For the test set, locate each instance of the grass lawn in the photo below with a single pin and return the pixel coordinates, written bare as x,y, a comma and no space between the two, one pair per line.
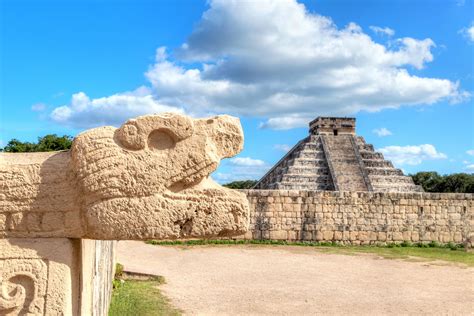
428,252
140,298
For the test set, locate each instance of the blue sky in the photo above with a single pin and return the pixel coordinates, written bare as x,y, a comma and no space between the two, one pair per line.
404,69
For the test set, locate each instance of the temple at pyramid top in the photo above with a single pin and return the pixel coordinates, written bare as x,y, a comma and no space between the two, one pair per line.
332,126
332,157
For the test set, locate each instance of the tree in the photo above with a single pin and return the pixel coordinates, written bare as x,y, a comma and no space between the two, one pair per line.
50,142
54,143
246,184
456,183
429,180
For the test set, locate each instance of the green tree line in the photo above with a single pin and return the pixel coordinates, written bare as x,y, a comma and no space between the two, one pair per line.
51,142
432,181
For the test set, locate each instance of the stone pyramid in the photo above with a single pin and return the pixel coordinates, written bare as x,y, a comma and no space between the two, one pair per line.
334,158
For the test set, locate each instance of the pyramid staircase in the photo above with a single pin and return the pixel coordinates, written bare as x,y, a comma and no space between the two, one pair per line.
329,160
304,167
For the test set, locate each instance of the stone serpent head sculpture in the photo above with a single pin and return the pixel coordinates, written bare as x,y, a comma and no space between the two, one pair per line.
147,179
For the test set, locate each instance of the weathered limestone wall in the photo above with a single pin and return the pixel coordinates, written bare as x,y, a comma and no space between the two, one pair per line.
360,217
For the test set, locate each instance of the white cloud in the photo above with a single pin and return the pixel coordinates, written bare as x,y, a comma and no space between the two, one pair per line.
276,60
470,167
247,162
38,107
381,132
470,152
241,168
112,110
468,32
382,30
287,122
411,155
282,147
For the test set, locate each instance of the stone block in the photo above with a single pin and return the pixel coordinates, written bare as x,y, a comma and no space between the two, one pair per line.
458,237
53,221
328,235
292,235
318,235
353,235
382,236
363,236
17,222
308,235
278,235
397,236
34,221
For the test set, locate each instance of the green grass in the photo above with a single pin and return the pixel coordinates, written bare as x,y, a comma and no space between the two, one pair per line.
405,250
139,298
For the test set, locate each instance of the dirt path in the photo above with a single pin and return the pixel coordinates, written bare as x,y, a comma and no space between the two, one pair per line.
247,280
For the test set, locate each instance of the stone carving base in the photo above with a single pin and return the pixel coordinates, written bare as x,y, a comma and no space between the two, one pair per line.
55,276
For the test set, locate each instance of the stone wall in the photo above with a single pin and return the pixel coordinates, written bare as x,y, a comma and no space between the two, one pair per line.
360,217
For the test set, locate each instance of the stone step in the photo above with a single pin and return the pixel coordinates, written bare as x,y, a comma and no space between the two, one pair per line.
311,146
306,170
371,155
301,186
384,171
345,165
307,162
316,155
389,187
366,147
391,179
377,163
300,178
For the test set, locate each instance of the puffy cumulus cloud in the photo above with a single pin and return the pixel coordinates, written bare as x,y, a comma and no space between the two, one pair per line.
382,30
470,152
411,155
112,110
277,61
247,162
381,132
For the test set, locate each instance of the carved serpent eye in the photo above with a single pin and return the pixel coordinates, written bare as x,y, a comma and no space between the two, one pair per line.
161,139
129,136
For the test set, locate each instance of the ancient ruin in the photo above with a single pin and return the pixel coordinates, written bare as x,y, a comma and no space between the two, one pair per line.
148,179
60,212
334,158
